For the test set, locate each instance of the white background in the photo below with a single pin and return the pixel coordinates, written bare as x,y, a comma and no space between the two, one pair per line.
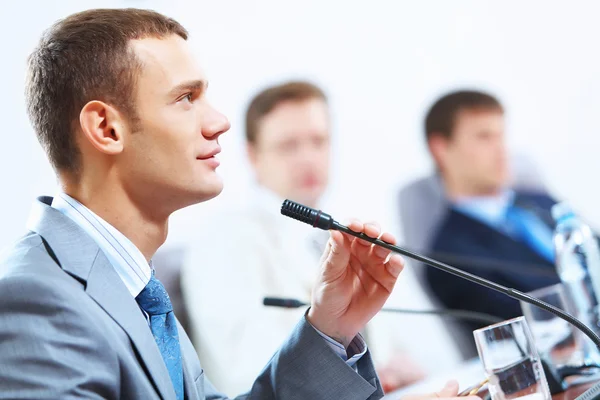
382,63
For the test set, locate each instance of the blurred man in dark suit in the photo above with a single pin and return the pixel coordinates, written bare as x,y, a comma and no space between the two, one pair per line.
489,228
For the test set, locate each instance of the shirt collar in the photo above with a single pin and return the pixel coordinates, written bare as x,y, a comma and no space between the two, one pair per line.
489,209
128,261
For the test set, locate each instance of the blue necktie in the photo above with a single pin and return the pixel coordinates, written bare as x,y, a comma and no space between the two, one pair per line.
526,226
155,301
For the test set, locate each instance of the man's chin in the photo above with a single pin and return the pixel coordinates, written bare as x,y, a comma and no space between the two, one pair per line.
201,195
211,193
310,200
493,187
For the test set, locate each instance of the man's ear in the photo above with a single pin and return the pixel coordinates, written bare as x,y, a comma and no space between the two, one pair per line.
103,126
438,147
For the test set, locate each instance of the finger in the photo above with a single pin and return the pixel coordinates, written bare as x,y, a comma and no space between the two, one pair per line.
374,286
388,238
386,274
395,265
450,390
355,225
361,248
326,252
379,252
365,280
372,229
338,256
382,266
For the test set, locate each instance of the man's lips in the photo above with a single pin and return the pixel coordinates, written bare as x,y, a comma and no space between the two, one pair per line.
210,154
213,162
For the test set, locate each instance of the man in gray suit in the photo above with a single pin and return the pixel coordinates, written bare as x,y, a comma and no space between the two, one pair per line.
118,103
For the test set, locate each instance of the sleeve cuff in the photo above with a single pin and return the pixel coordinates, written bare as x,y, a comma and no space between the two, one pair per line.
356,349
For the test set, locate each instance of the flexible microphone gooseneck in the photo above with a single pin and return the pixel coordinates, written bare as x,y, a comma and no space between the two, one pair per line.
321,220
458,314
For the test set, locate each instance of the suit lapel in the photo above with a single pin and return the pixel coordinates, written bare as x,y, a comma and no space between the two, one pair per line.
107,289
191,365
188,381
79,255
529,203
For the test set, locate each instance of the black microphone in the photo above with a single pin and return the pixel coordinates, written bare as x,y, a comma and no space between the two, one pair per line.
459,314
321,220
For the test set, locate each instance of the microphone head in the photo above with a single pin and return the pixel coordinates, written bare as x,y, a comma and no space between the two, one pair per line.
281,302
316,218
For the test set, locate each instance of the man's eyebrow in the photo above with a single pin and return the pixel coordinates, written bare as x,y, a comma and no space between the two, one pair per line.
194,85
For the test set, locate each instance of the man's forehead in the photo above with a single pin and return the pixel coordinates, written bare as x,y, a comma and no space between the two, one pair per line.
296,119
167,61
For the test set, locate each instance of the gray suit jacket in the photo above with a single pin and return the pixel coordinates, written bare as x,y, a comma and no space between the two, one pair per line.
69,328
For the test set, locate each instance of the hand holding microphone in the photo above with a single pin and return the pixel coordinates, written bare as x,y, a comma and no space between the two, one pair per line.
355,280
321,220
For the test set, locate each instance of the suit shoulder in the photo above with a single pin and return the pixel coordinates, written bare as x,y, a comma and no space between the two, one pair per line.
26,255
44,298
36,296
28,272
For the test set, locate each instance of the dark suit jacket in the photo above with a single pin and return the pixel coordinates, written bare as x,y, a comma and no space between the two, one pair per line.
474,246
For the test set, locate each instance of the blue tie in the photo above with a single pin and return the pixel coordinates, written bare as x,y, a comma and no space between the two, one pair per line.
155,301
526,226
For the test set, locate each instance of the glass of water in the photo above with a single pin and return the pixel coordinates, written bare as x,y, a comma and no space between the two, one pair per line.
554,337
511,361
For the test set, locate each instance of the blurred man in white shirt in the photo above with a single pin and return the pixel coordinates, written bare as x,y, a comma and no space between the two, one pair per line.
254,252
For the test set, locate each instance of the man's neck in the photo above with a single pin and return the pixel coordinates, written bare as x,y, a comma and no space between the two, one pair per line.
457,191
146,231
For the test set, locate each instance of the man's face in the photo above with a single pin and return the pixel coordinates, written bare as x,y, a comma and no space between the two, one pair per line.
475,155
291,153
169,159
